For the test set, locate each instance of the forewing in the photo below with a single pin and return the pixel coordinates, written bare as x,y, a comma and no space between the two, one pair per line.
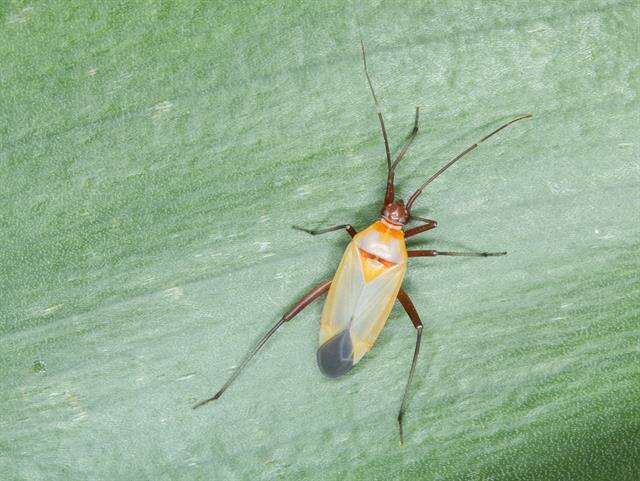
355,312
342,300
374,305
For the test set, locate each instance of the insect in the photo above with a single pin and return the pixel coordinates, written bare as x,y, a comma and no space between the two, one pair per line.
369,278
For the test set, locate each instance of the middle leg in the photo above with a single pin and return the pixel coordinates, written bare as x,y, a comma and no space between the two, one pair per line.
428,225
434,253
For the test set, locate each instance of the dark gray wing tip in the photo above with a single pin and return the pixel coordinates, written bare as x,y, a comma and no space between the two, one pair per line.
335,357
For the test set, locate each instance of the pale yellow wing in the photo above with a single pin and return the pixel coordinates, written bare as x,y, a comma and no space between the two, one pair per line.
374,306
357,307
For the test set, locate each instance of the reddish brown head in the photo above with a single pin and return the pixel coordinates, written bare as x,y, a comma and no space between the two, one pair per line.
395,213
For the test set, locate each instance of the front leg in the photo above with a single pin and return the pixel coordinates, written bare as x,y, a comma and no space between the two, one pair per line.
348,227
428,225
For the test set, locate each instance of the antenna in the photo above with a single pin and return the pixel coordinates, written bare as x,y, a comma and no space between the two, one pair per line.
417,193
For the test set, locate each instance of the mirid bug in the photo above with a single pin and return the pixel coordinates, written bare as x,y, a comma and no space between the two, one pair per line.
369,277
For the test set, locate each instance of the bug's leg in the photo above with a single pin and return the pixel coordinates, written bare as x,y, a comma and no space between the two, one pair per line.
311,296
428,225
404,299
349,228
432,253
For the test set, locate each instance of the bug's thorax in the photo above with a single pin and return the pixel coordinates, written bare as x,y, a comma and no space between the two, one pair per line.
381,247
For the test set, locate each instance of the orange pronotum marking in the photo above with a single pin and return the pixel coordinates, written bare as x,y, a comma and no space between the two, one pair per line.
383,229
372,265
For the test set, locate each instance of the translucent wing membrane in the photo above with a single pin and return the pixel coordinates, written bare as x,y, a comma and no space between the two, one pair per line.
360,299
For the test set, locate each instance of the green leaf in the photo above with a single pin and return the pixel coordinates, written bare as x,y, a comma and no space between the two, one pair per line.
153,158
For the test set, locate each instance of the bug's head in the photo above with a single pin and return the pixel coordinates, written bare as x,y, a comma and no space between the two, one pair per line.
395,213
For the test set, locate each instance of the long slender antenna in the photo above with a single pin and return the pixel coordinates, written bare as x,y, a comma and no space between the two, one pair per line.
378,110
390,193
417,193
410,137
